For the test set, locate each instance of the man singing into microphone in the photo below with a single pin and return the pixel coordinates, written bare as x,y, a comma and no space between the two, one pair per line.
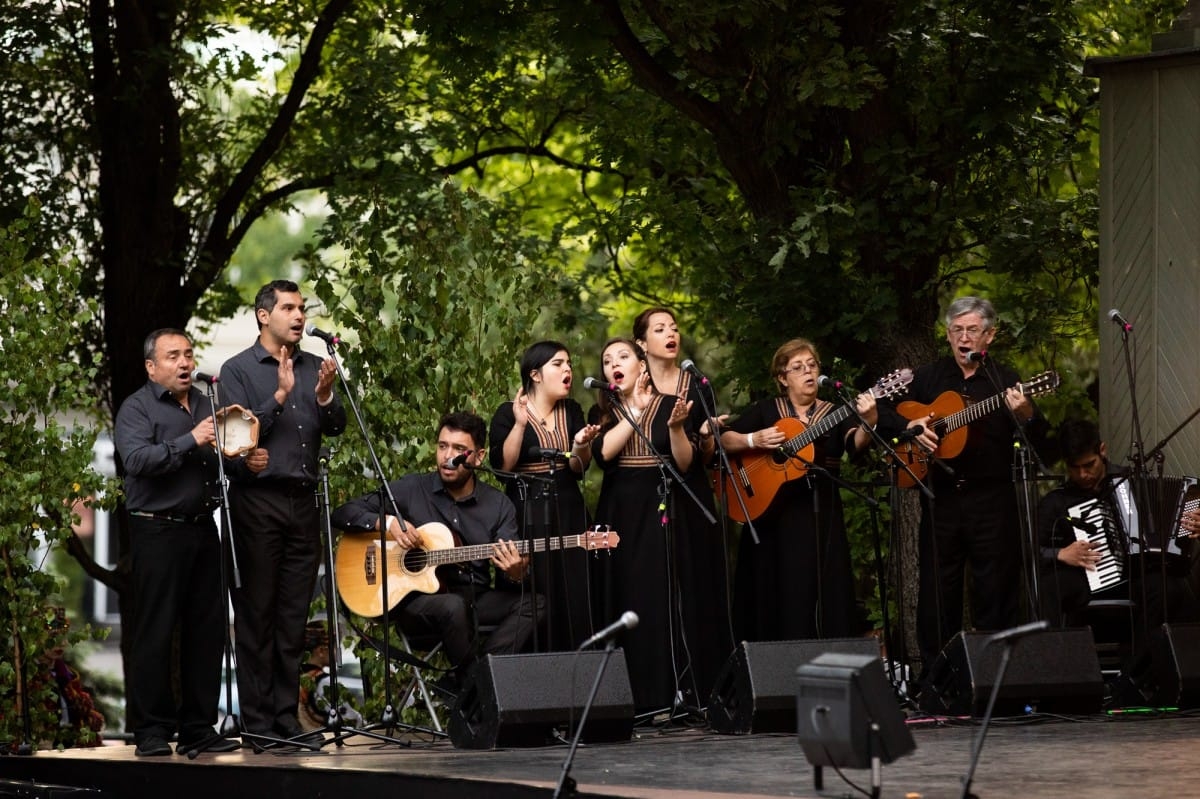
476,514
276,524
165,437
973,520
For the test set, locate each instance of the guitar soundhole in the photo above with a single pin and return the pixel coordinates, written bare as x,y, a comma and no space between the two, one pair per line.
779,456
415,560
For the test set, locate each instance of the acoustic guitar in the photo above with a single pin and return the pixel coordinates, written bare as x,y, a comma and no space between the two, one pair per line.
357,564
758,474
948,416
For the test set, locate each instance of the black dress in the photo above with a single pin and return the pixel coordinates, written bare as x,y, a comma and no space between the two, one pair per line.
796,582
650,573
552,505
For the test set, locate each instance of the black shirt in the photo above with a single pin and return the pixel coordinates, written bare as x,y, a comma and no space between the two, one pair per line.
165,472
290,432
482,517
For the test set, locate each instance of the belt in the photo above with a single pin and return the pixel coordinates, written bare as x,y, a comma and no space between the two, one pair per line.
288,487
178,518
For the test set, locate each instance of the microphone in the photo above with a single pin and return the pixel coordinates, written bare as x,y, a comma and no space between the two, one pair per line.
548,454
1020,631
1115,316
331,339
909,434
977,356
826,381
593,383
628,621
688,366
201,377
459,460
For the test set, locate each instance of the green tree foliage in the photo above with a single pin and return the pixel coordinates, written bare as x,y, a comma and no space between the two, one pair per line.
47,465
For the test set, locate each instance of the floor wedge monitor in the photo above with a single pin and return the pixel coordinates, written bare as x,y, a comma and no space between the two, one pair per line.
756,690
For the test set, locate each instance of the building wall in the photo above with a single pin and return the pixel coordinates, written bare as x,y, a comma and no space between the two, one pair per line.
1150,255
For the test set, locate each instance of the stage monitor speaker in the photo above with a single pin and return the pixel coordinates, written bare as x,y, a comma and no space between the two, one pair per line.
1175,652
522,700
756,689
1054,671
846,712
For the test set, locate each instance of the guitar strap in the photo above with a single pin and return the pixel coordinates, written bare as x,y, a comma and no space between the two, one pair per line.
816,411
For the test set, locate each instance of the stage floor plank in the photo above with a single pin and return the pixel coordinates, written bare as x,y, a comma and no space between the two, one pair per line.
1040,758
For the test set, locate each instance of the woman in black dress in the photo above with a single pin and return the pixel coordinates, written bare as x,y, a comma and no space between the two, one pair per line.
702,568
641,572
796,582
543,419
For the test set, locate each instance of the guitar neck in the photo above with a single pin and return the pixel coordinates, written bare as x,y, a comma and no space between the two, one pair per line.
971,413
439,557
811,434
824,425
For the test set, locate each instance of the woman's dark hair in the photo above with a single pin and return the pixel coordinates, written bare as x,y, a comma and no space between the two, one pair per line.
537,356
641,325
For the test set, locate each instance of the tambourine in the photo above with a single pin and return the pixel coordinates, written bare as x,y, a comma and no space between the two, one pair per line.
239,430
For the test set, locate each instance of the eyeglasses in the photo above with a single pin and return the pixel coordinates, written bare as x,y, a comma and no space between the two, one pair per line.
972,331
811,366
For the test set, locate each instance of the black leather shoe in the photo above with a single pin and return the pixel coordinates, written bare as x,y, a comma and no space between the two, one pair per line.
152,746
211,743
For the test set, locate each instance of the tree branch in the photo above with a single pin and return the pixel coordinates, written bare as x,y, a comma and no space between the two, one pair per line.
217,240
653,77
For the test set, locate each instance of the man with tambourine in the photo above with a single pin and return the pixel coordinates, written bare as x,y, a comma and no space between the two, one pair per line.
166,439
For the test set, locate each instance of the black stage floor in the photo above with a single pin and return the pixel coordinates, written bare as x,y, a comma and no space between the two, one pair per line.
1092,757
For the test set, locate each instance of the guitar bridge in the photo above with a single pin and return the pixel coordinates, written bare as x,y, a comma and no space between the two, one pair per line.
371,564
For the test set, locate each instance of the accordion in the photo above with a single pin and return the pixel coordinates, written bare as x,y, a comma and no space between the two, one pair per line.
1095,522
1151,517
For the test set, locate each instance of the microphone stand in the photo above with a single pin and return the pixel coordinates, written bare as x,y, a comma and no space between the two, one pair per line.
229,724
566,782
724,470
880,569
1024,456
550,494
1156,453
1140,479
1009,638
389,716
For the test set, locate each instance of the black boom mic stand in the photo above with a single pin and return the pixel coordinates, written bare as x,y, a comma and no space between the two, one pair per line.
230,724
389,717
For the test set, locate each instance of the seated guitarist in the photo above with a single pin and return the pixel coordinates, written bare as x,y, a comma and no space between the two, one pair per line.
477,514
973,520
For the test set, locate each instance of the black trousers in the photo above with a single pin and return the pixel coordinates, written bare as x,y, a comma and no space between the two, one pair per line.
276,535
176,576
455,615
976,527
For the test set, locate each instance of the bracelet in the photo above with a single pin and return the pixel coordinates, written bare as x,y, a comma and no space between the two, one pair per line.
750,441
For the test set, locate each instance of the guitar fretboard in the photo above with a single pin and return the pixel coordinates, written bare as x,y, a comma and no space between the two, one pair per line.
416,559
888,385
